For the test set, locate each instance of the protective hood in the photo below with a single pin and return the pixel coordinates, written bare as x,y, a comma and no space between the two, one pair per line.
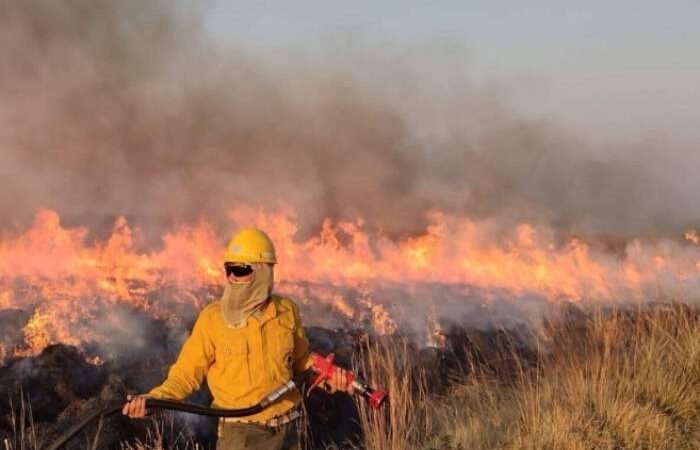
241,300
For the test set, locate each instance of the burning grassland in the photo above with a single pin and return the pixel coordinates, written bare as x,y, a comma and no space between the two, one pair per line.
606,380
58,285
456,248
86,320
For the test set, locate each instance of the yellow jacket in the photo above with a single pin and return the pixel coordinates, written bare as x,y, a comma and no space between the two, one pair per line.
242,365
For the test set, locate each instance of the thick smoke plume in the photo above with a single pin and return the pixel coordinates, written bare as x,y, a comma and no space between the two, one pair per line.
130,108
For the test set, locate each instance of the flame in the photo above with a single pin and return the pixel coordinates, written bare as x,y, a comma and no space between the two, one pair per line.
436,337
36,332
65,281
94,360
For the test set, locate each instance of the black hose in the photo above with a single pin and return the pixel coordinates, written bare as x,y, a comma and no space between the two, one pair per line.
153,403
298,382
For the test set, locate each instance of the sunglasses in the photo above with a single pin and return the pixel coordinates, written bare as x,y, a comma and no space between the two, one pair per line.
238,270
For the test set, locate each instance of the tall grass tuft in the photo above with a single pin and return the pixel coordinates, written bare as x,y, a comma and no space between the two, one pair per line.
621,380
24,436
613,380
405,418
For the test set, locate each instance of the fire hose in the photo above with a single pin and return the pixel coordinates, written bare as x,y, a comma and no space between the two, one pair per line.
322,366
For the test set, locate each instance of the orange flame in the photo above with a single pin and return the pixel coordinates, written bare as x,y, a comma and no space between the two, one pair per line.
54,273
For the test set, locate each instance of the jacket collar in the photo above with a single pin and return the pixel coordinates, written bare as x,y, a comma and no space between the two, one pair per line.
272,309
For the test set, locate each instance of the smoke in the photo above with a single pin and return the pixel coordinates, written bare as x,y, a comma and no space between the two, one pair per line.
129,108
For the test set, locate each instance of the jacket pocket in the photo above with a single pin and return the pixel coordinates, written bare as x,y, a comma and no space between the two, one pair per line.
233,360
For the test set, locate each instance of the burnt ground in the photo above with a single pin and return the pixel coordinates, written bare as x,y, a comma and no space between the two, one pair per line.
61,385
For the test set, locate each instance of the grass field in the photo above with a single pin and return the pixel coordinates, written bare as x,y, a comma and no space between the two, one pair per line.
609,380
613,380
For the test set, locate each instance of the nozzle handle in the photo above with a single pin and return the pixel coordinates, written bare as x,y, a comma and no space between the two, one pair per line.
324,368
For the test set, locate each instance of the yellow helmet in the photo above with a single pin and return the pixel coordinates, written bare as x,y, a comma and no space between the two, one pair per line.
250,245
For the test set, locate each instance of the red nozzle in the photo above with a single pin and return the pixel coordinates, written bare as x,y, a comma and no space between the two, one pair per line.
376,399
324,368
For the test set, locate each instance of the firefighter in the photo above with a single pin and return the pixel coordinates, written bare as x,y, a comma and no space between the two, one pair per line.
246,344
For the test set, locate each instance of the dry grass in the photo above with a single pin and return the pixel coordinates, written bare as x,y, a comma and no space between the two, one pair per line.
407,417
163,425
23,429
612,381
619,381
24,433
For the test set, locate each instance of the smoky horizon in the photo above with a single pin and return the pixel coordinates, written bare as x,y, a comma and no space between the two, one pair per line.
128,109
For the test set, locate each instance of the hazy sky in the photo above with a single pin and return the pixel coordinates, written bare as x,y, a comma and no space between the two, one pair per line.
581,118
615,69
